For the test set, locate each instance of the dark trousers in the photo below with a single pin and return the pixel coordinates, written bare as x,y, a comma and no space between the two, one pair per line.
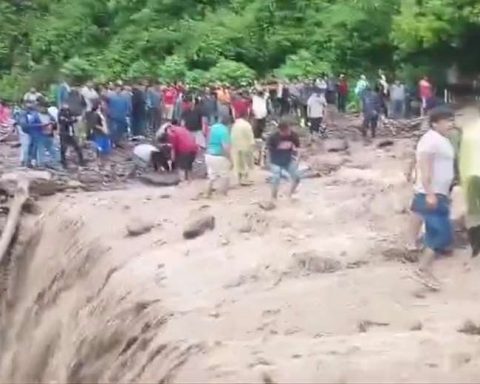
315,124
154,118
69,141
342,103
138,124
370,122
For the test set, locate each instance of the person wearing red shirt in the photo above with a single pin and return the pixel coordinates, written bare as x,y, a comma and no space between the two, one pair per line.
342,88
426,93
184,147
169,99
241,106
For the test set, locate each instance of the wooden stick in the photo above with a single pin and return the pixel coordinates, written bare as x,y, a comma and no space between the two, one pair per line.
21,196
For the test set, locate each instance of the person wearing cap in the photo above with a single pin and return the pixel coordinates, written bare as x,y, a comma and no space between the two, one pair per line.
435,162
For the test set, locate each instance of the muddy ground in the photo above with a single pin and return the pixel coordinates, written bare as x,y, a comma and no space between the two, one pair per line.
106,289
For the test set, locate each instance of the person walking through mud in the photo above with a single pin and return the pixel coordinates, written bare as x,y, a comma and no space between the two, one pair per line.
435,157
283,147
217,156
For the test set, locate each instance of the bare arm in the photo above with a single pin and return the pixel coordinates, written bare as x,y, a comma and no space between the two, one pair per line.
425,163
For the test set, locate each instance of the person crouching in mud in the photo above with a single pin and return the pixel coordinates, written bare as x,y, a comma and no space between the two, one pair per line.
184,147
435,157
283,147
147,156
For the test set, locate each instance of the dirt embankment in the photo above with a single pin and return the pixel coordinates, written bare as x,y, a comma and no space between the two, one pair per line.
305,293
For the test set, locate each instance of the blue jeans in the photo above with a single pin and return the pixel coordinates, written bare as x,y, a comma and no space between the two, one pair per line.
118,129
291,169
46,144
25,140
398,109
438,227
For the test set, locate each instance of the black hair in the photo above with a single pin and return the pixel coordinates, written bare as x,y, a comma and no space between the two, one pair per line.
440,113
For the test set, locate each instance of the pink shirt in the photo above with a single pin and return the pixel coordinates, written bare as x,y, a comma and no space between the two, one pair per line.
5,115
425,89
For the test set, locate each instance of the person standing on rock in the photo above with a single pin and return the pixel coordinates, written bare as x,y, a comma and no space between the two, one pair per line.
217,156
283,146
66,129
435,157
316,108
371,107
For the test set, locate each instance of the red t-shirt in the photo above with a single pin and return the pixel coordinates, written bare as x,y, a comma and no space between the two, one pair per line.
169,96
343,87
425,89
241,107
182,140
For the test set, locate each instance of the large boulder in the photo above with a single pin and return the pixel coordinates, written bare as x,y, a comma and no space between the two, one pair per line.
160,179
198,225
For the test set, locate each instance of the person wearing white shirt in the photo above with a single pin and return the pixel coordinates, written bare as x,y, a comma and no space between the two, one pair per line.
259,111
435,159
32,96
90,95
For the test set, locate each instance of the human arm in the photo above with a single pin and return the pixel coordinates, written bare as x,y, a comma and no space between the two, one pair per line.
425,163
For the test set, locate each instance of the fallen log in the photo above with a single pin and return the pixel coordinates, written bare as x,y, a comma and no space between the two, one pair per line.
13,219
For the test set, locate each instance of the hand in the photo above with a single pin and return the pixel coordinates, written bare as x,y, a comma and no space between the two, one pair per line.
431,201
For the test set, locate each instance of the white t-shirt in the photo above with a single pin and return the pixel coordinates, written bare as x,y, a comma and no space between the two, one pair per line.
441,148
144,151
259,106
89,95
53,111
316,106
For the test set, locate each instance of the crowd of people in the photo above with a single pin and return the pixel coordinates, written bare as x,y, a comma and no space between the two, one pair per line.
174,126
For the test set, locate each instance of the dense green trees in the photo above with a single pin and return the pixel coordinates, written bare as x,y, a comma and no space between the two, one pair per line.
229,40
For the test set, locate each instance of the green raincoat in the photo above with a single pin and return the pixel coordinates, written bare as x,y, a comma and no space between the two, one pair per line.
469,166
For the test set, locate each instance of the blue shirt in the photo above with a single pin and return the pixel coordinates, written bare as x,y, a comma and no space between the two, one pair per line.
219,137
118,106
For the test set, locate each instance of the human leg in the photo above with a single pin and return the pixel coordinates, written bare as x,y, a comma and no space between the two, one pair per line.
275,180
292,170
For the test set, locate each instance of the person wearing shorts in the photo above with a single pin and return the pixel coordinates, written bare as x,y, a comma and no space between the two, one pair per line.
217,156
435,158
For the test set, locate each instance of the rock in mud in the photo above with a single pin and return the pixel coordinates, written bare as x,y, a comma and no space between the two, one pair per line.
138,227
418,326
160,179
313,262
267,205
336,145
198,226
385,143
470,328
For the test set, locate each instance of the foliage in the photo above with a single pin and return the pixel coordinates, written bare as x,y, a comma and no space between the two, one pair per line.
230,40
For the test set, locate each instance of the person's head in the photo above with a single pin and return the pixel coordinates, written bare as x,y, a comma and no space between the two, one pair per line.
224,119
441,120
89,84
342,77
363,77
284,127
33,90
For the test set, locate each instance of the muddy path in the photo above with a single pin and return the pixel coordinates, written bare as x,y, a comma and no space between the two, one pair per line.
104,287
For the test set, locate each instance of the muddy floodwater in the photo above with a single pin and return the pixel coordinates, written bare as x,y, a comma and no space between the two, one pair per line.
313,291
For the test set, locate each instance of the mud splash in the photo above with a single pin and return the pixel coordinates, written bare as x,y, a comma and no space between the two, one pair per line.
61,322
